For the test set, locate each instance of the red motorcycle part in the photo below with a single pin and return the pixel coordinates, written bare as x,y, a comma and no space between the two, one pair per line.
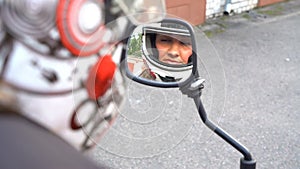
100,77
78,39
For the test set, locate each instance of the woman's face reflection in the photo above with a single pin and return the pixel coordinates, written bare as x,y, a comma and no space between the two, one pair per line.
173,49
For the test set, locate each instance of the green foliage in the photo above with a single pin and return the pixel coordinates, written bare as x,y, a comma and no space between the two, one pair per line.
135,46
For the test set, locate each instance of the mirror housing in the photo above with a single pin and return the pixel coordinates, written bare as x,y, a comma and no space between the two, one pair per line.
152,61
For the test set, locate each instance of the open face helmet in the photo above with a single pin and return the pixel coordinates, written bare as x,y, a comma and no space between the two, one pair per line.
166,71
61,58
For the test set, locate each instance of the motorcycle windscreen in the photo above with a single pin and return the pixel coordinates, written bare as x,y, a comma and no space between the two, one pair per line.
143,11
161,54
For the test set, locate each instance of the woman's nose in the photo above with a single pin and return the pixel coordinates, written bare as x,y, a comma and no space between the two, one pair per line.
174,49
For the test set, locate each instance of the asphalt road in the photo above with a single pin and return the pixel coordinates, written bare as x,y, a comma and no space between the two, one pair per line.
252,91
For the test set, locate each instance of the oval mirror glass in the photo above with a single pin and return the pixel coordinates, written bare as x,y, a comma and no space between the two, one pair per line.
161,54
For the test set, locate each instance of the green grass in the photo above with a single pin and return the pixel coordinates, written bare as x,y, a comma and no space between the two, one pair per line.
274,12
208,33
211,33
246,16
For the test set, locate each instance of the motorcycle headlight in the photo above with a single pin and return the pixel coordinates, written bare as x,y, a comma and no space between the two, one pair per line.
142,11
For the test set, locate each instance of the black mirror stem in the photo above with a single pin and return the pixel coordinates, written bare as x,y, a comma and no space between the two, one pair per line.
194,91
247,162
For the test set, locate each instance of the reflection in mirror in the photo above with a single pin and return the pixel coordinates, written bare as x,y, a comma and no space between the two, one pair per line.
160,52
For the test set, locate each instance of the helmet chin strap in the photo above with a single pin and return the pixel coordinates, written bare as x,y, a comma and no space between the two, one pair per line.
168,78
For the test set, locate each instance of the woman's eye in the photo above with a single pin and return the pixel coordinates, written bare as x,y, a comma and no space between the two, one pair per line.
165,40
186,43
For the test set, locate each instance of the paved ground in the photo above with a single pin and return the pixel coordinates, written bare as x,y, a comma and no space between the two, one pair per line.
251,63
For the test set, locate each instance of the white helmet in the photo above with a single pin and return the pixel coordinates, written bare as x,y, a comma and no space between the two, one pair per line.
165,71
60,60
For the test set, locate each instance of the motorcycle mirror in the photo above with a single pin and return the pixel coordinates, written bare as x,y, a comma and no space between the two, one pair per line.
162,54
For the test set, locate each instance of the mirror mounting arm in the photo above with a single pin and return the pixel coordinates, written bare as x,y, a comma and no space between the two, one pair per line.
247,162
194,90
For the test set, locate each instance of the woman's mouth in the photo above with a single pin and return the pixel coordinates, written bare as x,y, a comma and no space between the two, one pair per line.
172,62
